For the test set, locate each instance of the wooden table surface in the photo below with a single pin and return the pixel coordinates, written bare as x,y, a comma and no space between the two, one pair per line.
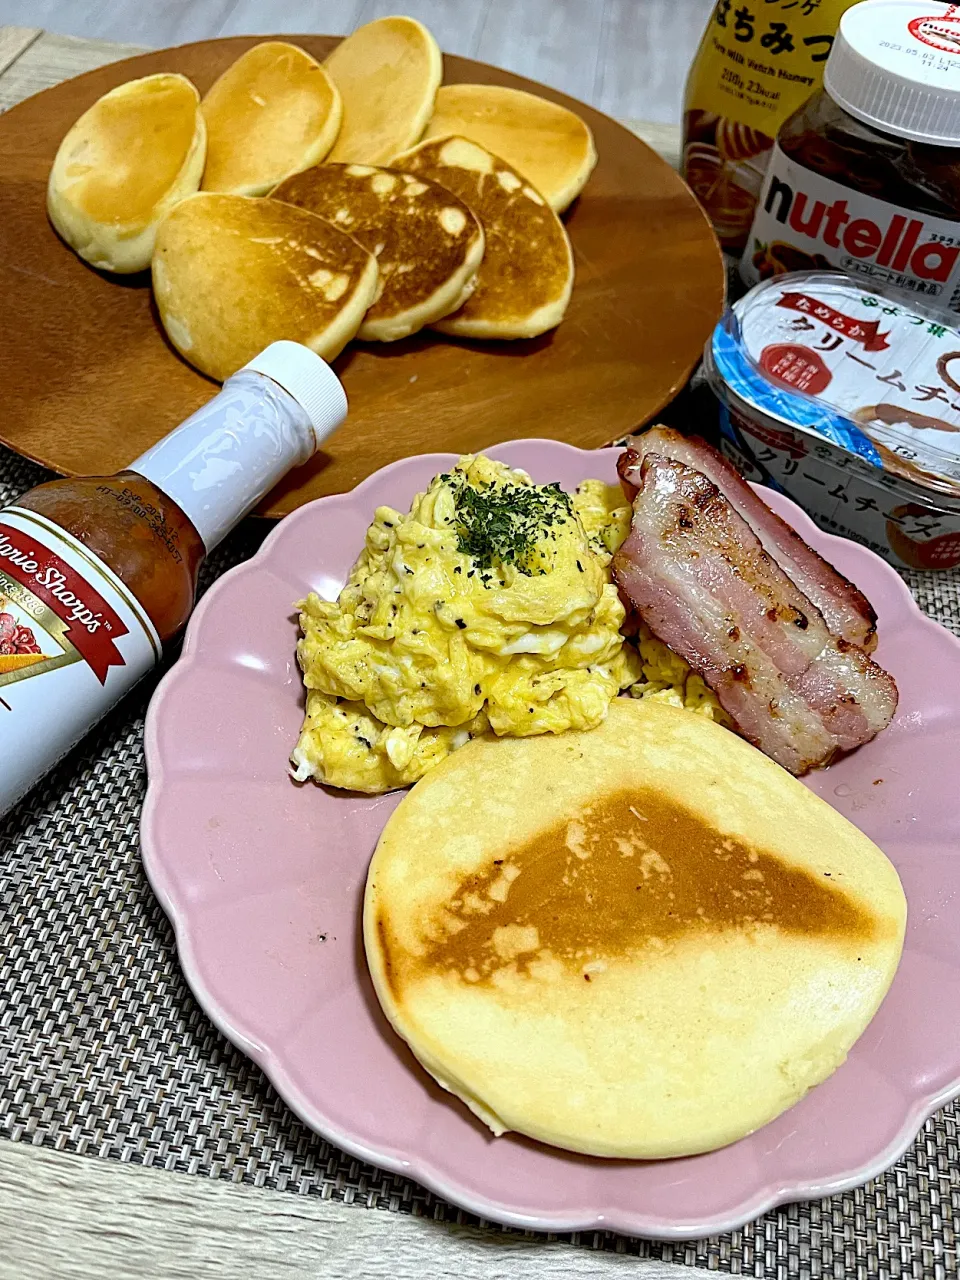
64,1216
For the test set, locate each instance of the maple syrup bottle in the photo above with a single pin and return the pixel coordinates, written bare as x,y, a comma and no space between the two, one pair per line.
98,573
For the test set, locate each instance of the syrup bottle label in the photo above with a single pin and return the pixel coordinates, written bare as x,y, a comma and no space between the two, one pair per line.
73,641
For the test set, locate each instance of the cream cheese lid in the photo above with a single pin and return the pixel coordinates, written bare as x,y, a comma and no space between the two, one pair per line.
895,64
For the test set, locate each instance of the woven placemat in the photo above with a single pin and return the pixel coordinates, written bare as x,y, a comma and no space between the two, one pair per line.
104,1052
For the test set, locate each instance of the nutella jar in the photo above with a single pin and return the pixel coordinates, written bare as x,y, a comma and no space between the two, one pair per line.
865,177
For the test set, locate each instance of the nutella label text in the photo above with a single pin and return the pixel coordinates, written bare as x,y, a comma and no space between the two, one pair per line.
805,221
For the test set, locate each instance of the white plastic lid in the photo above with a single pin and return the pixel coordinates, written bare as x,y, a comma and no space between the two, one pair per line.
895,64
309,379
218,464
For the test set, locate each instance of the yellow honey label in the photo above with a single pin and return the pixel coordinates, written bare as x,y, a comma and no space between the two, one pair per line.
757,63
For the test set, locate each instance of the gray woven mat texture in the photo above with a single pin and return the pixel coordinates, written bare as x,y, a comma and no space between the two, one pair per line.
104,1051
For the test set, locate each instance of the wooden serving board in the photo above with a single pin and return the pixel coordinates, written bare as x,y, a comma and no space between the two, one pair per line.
89,380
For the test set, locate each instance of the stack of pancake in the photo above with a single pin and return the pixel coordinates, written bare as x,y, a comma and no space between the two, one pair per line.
323,202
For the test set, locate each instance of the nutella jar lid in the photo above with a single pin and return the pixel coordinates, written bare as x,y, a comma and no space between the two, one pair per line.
895,64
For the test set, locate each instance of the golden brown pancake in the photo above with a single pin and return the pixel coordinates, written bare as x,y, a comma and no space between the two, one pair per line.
427,243
524,282
231,274
272,113
643,941
388,73
550,145
124,164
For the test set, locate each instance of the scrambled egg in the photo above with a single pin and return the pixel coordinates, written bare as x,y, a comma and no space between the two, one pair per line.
667,678
488,608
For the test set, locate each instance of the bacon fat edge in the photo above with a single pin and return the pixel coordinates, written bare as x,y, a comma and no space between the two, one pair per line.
846,610
698,575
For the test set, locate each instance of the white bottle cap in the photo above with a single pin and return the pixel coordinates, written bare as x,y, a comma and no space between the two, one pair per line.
895,64
269,417
309,379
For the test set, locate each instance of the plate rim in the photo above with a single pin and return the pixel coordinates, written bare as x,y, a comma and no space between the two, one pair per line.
423,1171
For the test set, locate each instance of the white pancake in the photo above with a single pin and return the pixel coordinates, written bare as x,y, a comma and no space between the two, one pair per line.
123,166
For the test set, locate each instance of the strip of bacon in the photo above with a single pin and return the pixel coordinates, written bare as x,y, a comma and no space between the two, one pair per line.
847,611
702,582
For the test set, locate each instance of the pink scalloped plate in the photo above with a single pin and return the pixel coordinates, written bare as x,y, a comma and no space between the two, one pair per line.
263,881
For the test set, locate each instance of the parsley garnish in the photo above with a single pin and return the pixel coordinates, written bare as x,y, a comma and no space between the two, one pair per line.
501,525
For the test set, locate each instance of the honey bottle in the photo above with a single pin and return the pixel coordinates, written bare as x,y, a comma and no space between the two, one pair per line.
757,62
97,574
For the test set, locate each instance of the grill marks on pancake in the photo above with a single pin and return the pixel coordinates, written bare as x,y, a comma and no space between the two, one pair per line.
547,143
634,872
421,234
528,265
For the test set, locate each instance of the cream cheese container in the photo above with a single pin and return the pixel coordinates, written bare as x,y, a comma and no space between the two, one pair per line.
847,400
